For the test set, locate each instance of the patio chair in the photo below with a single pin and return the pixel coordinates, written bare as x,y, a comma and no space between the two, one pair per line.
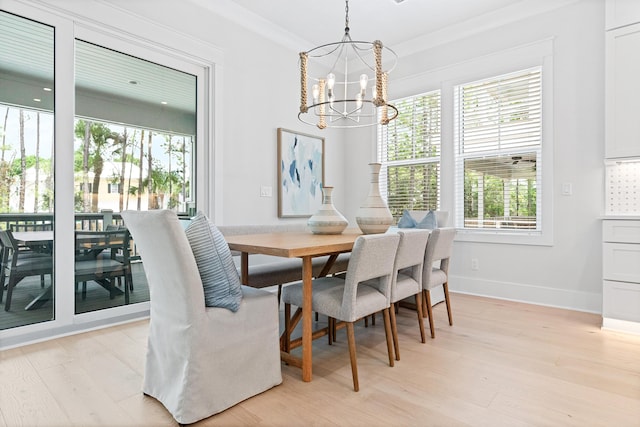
91,266
17,265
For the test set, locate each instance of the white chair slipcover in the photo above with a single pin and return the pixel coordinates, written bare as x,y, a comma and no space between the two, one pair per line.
200,360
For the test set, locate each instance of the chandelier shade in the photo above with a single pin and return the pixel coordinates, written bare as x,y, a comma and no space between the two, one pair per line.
344,84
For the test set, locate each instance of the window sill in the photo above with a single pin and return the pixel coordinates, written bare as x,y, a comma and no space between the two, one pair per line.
507,237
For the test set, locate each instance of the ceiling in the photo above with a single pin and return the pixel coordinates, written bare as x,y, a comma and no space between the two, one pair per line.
26,47
403,25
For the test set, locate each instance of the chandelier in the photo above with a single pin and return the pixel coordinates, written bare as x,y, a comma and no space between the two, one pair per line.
353,93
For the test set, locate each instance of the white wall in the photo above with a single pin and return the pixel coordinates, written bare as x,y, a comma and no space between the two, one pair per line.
260,88
568,272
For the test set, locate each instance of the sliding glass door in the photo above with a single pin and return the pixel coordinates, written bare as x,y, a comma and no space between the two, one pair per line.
124,126
26,171
135,130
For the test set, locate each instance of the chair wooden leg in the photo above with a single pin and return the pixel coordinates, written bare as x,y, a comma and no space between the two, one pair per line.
330,321
373,319
420,316
394,331
388,334
427,303
351,338
287,331
448,301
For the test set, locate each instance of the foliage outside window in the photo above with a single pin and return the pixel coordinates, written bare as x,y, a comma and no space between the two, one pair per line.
119,168
409,150
26,169
499,130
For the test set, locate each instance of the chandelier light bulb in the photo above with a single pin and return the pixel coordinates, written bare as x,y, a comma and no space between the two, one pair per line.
331,80
359,101
315,90
364,79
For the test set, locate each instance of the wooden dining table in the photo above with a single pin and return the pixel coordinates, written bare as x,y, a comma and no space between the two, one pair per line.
306,246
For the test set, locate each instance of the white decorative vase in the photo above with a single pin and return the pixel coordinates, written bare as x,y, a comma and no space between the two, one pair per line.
327,220
374,216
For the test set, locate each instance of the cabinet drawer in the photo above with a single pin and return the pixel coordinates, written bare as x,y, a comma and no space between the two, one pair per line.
621,261
621,301
621,231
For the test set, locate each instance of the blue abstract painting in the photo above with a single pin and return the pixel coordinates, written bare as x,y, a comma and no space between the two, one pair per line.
301,173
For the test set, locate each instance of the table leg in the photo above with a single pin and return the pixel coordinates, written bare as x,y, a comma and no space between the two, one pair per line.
244,268
307,332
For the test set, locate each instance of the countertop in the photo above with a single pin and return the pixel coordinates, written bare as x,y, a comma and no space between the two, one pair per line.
628,217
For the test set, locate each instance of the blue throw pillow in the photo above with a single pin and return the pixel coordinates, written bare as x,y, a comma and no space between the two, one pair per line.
406,221
430,221
218,273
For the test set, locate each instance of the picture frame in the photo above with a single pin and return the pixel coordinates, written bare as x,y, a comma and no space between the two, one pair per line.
300,173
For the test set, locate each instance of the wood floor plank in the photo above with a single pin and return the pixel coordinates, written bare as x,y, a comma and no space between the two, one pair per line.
502,364
24,398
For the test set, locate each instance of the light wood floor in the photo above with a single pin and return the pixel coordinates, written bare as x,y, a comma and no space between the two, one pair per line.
501,364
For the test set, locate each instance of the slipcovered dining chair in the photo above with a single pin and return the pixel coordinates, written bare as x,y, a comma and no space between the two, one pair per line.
407,278
439,249
200,360
348,299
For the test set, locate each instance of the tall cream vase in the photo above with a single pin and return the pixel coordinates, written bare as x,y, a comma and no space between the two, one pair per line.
374,216
327,220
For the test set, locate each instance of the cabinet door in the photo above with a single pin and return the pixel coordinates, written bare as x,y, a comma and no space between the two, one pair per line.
621,300
622,119
621,12
621,261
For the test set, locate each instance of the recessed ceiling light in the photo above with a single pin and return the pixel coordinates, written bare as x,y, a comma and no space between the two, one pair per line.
46,89
163,102
37,99
398,1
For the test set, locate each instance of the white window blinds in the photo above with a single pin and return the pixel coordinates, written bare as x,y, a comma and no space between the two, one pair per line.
409,150
499,136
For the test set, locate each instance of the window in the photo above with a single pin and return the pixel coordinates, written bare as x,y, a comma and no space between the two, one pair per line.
499,152
113,188
409,150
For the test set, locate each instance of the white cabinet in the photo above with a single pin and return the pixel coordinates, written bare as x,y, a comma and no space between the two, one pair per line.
622,89
621,12
621,274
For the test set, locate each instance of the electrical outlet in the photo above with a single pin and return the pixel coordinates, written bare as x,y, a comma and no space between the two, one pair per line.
475,265
266,191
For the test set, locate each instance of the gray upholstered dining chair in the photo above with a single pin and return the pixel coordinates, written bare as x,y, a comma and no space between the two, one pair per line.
348,299
439,249
407,277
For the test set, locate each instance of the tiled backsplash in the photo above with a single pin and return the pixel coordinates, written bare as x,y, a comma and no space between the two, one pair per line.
623,188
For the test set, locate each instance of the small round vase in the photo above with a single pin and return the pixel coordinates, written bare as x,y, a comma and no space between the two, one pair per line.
327,220
374,216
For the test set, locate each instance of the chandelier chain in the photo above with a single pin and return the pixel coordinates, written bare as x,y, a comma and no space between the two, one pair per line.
346,17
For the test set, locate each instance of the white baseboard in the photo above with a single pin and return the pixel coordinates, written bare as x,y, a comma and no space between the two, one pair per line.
621,326
573,300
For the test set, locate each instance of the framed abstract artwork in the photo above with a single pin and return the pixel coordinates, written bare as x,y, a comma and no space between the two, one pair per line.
300,173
